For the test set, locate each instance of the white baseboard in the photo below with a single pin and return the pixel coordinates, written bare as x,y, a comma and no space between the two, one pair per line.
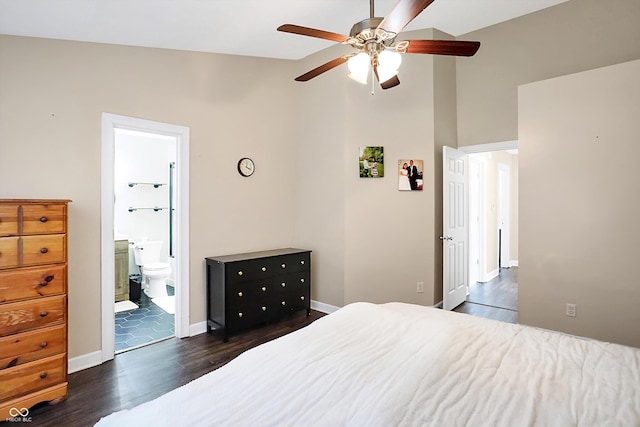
322,307
513,263
438,305
197,328
85,361
490,275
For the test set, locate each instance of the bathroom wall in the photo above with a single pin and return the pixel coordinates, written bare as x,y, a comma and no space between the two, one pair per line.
142,158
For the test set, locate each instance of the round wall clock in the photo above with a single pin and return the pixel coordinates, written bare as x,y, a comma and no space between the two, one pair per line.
246,167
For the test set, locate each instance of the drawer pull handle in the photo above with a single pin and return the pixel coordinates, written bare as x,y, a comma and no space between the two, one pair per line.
302,298
302,262
44,250
44,344
284,265
301,280
43,219
264,308
43,314
239,294
264,289
284,303
284,285
240,273
43,375
46,281
239,314
264,268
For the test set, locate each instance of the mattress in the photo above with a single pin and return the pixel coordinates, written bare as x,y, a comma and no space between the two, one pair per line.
399,364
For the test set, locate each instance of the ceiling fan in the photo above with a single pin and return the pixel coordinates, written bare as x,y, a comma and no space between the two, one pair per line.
373,40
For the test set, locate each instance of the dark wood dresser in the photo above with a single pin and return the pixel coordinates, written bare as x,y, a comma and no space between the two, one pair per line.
33,304
245,290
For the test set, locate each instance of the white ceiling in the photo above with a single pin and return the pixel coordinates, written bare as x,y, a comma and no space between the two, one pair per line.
239,27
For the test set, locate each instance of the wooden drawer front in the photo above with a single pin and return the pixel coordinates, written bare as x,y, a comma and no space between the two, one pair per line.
32,314
9,252
254,292
44,219
32,282
255,269
8,220
23,379
48,249
29,346
292,263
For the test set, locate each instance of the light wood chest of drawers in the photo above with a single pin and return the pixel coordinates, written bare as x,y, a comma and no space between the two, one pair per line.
33,303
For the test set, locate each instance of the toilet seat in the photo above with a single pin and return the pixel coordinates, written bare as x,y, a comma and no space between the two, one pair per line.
155,266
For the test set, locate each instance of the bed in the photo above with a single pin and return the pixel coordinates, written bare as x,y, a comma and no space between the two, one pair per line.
399,364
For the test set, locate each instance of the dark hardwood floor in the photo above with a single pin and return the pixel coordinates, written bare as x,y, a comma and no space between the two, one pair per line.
145,373
496,299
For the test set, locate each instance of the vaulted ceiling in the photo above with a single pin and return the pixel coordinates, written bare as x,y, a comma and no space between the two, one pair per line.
238,27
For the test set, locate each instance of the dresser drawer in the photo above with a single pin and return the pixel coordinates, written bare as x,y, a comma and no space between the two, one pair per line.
9,252
44,219
241,293
291,263
8,219
29,346
32,282
33,376
254,269
47,249
26,315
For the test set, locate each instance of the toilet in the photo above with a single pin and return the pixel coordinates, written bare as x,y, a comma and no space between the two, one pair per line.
154,272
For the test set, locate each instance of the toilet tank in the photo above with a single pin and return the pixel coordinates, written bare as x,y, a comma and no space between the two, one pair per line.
147,252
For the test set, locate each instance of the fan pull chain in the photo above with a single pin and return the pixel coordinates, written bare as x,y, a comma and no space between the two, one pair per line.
373,83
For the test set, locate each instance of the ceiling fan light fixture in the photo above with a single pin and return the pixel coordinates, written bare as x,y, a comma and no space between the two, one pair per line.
359,67
388,64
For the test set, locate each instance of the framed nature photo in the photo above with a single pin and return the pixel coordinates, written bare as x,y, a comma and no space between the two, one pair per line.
410,174
371,162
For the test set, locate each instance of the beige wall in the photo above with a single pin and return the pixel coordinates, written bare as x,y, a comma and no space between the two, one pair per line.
52,94
374,243
574,36
370,241
579,205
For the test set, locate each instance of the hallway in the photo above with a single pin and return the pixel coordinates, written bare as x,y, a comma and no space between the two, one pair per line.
496,299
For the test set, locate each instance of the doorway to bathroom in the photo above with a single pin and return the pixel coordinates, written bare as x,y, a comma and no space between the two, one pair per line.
144,233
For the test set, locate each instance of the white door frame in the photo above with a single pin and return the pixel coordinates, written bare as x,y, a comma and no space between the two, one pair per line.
504,200
110,122
477,226
486,148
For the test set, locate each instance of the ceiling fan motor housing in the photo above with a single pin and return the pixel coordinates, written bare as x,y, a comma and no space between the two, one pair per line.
366,37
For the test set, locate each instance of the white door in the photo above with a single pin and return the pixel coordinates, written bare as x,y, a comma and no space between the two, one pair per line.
455,228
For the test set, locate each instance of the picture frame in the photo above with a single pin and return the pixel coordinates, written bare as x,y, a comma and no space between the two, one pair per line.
371,162
410,175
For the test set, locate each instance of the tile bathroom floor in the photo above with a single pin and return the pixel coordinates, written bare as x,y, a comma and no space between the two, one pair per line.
144,325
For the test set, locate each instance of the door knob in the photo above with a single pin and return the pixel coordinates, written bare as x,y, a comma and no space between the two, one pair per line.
446,238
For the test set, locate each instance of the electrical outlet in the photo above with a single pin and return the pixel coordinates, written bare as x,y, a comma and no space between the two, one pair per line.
420,287
571,310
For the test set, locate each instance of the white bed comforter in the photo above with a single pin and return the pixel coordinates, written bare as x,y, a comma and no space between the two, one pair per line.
399,364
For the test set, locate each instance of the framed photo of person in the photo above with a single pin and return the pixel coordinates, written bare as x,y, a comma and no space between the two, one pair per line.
410,175
371,162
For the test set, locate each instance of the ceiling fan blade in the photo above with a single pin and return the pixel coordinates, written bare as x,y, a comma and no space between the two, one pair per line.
321,69
402,13
392,82
443,47
312,32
